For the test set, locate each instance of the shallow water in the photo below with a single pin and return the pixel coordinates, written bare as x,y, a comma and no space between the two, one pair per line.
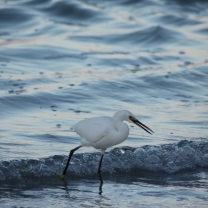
63,61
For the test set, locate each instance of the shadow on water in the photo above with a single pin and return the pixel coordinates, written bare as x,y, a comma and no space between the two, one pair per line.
97,183
66,184
116,190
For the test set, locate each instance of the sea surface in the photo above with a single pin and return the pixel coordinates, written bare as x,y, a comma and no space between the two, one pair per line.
62,61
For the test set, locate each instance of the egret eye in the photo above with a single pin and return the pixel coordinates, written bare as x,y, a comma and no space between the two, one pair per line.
130,117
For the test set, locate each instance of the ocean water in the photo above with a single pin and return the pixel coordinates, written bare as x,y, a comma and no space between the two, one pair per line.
64,60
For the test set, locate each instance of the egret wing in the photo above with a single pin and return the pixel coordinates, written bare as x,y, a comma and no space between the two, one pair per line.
93,129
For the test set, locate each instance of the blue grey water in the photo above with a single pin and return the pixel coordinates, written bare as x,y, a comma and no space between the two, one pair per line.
65,60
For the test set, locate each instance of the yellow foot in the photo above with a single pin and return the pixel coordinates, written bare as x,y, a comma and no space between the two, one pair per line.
61,176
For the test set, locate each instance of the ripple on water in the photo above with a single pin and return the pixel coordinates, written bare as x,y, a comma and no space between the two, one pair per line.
63,61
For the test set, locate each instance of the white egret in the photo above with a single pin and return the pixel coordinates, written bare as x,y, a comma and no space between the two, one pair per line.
103,132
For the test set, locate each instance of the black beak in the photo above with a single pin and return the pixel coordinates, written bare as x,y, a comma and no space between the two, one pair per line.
138,123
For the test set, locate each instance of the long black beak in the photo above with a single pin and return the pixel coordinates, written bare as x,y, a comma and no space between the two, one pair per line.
138,123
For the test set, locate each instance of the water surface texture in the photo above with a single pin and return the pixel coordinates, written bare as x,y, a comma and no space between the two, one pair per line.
62,61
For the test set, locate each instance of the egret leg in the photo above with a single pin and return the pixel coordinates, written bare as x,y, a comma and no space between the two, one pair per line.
100,163
67,164
99,172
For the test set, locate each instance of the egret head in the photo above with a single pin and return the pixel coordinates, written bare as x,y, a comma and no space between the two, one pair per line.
125,115
140,124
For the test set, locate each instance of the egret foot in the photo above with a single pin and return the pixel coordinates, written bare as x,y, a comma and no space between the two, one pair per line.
61,176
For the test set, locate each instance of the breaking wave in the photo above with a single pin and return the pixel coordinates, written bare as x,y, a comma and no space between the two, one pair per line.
169,158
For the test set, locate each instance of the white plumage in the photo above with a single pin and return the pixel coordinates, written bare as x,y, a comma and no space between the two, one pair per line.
103,132
92,130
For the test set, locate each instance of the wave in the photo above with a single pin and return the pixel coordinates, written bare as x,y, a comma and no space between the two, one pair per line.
178,20
73,13
13,17
156,36
169,158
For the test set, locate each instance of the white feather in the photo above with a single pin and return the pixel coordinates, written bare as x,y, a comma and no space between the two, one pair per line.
93,129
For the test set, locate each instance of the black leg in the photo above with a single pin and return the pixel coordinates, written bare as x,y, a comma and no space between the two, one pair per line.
100,163
69,158
67,163
99,172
